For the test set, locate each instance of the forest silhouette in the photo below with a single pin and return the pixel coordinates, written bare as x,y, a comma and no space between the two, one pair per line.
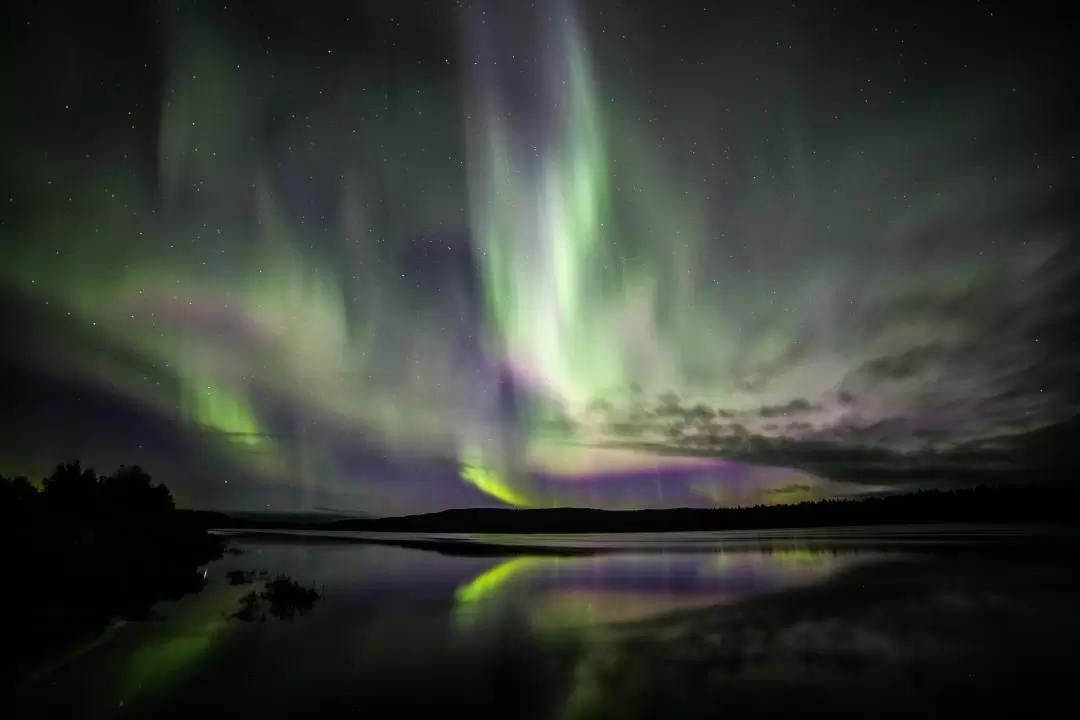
89,549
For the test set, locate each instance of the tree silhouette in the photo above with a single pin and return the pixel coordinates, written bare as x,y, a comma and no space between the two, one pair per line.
71,487
16,491
92,548
130,490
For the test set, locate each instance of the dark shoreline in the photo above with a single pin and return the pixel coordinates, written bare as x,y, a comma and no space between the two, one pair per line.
1013,504
458,548
938,538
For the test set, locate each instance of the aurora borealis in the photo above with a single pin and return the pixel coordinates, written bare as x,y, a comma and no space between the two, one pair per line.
403,256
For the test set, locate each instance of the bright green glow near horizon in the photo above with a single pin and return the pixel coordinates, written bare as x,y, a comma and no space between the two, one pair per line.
494,484
225,412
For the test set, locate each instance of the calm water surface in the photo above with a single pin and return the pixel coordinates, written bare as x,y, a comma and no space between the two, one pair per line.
882,621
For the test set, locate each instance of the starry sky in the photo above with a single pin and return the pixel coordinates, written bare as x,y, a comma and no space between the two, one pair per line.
400,256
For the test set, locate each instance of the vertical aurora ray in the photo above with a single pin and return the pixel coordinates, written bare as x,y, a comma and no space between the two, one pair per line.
540,204
539,199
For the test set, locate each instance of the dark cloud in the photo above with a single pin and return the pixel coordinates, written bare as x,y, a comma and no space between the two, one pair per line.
861,464
908,364
790,488
701,413
930,433
850,453
795,407
886,430
751,385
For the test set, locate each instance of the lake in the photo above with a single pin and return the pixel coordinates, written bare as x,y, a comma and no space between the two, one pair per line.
886,621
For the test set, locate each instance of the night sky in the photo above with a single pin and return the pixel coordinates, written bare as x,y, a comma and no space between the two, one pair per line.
400,256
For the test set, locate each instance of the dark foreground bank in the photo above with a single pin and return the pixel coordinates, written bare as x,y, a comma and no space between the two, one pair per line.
87,550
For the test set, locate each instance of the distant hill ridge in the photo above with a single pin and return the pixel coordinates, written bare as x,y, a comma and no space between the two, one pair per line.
1004,504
